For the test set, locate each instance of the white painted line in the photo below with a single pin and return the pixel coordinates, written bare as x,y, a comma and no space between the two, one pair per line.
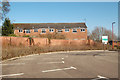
56,62
63,62
13,64
73,67
59,69
11,75
101,77
52,62
62,58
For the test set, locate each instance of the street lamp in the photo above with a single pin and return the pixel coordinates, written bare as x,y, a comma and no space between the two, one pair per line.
112,36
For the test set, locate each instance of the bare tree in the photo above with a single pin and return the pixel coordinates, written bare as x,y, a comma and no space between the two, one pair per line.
98,32
4,9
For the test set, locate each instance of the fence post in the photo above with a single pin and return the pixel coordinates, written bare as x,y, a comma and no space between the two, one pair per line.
69,44
31,41
10,41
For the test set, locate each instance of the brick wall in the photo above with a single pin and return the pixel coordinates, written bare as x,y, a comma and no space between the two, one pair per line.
90,42
40,41
25,41
67,42
75,36
22,41
54,42
32,33
14,41
68,35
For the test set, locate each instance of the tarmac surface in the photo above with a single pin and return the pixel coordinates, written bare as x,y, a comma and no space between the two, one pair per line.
75,64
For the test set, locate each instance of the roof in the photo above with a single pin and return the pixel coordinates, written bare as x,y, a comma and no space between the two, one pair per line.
48,25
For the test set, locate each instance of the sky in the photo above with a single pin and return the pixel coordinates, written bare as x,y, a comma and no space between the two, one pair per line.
100,14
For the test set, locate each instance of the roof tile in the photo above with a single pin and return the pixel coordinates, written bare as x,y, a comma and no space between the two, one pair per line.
49,25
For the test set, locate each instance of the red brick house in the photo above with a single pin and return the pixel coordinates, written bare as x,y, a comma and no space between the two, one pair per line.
74,31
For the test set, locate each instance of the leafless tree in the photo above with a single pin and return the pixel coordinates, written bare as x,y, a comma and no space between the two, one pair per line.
98,32
4,9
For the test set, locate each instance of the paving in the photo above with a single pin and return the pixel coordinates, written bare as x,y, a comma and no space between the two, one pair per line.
75,64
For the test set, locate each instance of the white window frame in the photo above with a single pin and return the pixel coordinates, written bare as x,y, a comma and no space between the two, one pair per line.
82,29
59,30
75,30
27,30
20,30
51,30
67,30
35,30
43,30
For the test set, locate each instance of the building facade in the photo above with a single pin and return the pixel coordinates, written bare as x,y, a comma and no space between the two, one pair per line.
71,31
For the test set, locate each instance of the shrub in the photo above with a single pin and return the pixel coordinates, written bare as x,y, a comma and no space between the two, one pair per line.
53,36
26,36
59,36
12,35
15,51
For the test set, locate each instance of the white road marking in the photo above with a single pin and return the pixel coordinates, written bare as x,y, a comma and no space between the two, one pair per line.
13,64
59,69
57,62
62,58
63,62
101,77
52,62
11,75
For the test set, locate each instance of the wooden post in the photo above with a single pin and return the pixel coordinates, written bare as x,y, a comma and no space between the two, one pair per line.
10,41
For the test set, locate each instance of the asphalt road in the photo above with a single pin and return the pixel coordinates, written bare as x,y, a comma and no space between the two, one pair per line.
76,64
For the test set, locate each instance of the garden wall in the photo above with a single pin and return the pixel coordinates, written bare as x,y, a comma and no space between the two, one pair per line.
25,41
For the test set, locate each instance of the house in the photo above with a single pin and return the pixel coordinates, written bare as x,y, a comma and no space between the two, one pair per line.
71,31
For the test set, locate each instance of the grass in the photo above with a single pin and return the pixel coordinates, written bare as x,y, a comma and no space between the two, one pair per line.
26,36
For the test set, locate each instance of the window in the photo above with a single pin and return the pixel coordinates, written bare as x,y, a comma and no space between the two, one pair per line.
66,30
82,39
43,31
51,30
20,30
59,30
75,39
82,30
27,31
74,30
35,30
